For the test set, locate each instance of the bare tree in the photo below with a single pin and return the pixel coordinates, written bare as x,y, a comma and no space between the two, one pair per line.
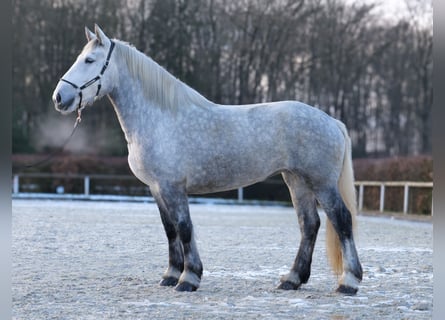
374,76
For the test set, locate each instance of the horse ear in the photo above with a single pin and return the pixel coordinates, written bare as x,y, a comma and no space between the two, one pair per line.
100,35
89,34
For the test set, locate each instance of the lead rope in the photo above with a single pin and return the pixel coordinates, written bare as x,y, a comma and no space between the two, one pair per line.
79,117
54,153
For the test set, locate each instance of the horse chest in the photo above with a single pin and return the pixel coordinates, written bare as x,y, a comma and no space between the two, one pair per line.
141,163
150,164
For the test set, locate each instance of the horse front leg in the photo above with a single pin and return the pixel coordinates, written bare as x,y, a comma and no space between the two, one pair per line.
184,260
175,251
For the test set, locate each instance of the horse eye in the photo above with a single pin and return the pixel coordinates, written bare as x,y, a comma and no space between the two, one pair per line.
89,60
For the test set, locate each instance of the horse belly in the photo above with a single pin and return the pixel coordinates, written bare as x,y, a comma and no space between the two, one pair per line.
233,170
223,184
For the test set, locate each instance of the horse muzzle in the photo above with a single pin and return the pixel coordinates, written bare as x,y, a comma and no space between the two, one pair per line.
64,99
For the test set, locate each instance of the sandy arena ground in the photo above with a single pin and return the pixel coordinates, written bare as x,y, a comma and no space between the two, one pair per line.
103,260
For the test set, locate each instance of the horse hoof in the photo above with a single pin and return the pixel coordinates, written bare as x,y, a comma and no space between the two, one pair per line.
287,285
168,282
185,287
349,291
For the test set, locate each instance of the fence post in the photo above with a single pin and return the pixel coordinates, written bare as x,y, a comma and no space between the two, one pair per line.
240,194
15,184
405,198
432,206
382,197
360,196
86,185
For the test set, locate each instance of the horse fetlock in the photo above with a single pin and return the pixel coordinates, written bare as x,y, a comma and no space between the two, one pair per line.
349,291
348,284
170,277
172,272
186,287
290,281
287,285
169,282
191,278
359,272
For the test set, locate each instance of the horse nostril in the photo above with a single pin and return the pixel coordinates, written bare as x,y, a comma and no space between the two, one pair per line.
63,100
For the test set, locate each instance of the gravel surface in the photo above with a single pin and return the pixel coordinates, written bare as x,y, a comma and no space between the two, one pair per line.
103,260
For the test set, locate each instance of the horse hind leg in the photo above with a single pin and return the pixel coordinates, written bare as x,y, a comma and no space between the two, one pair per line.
304,203
343,250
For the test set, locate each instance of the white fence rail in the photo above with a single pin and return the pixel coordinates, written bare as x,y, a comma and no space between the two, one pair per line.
406,185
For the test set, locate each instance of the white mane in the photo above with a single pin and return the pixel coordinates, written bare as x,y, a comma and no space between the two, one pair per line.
158,85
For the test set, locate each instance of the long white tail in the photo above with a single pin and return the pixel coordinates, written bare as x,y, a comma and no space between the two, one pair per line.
348,194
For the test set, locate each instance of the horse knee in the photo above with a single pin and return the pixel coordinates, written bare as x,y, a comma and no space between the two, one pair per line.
185,230
170,230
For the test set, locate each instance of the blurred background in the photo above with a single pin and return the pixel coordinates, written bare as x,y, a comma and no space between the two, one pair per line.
367,63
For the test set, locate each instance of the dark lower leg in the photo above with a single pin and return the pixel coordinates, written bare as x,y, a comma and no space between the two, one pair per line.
191,276
175,263
175,251
185,267
309,221
341,220
301,269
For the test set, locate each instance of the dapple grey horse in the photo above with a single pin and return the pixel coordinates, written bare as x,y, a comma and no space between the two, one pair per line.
180,143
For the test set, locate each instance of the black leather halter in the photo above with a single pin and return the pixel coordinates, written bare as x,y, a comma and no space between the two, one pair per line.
97,78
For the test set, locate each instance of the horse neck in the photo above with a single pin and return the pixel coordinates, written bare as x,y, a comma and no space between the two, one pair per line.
139,104
133,110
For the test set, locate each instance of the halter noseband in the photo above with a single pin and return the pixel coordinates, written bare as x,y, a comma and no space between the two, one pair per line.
89,83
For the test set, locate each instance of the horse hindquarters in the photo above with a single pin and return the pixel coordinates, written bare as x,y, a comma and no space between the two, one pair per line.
337,197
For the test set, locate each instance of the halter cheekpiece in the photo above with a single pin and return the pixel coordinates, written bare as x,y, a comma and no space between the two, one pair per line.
90,82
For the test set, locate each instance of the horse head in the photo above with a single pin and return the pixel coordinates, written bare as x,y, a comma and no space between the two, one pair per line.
87,80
